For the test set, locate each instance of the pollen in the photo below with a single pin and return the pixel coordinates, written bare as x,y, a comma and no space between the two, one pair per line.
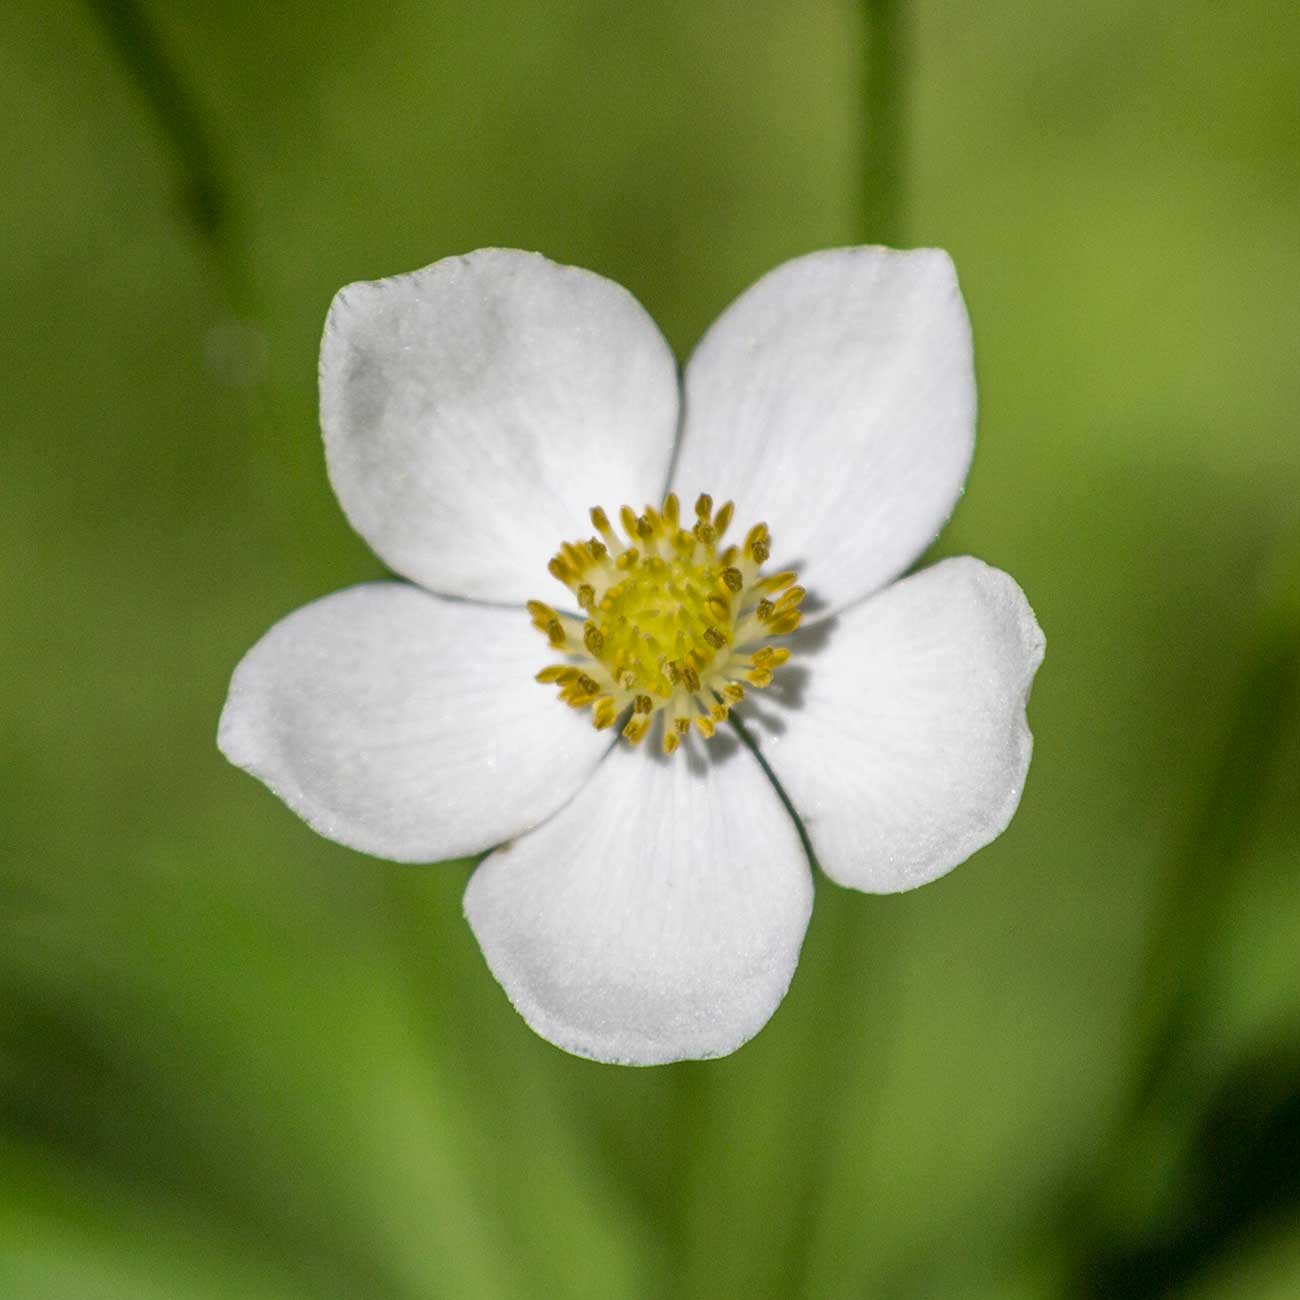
675,621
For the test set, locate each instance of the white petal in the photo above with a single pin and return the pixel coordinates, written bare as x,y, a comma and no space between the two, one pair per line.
657,917
474,411
909,748
405,725
835,400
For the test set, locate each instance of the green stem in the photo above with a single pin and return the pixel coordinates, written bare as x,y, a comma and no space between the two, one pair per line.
202,186
884,71
1217,837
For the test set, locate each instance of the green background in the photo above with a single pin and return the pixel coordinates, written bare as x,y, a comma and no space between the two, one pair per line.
239,1061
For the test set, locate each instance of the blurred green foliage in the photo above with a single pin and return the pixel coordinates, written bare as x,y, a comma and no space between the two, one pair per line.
239,1061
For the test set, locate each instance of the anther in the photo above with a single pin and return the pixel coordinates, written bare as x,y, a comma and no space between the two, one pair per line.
637,725
770,656
777,582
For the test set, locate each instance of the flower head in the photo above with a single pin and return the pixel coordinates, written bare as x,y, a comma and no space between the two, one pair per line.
644,903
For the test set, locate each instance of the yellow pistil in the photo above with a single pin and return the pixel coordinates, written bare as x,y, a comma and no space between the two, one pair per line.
672,620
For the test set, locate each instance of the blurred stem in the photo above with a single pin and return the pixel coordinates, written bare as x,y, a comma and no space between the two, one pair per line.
203,188
1218,834
884,70
1200,872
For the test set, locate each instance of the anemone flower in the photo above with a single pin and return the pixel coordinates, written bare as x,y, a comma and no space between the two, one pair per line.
646,888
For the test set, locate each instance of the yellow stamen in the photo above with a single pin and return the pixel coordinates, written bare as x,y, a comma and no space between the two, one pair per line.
673,621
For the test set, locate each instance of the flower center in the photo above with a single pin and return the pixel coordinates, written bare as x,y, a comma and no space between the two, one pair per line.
673,620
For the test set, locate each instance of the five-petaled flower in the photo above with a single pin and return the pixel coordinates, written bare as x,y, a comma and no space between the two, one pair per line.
640,905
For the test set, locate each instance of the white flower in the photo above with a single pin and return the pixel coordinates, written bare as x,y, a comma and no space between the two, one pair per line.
639,907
